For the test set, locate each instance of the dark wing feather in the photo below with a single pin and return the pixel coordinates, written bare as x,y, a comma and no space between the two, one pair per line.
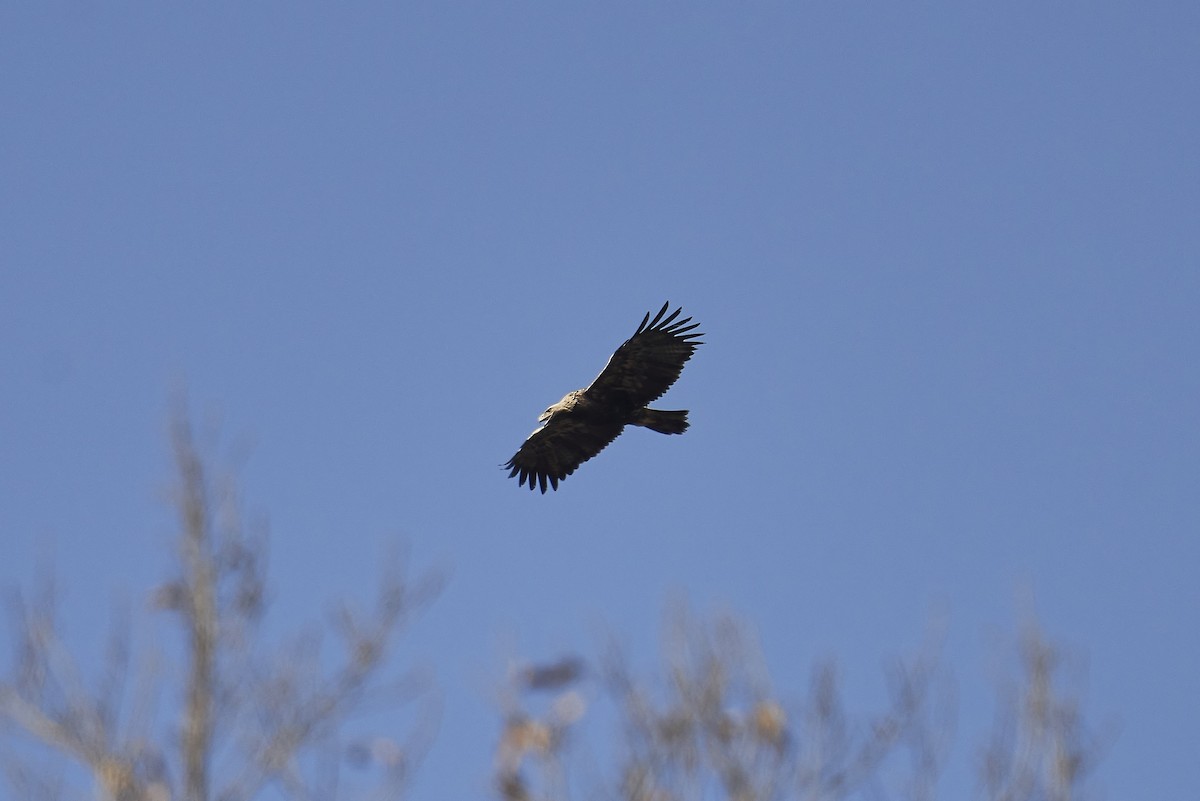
552,452
648,363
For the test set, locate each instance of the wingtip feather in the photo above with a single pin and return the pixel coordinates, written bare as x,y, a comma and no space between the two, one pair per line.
654,324
642,327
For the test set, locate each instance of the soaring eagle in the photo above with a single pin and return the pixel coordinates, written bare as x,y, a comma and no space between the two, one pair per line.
581,424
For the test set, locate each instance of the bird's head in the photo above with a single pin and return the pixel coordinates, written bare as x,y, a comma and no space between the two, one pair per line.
567,402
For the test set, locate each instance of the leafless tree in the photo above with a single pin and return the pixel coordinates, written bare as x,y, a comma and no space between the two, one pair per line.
249,718
714,727
1041,748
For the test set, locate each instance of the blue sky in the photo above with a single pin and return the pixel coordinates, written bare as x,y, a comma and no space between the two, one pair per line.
946,257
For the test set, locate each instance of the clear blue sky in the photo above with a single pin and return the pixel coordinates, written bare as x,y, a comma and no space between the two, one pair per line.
947,257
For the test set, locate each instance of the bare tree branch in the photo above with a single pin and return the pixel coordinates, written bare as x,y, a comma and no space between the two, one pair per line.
1040,746
199,610
712,727
280,717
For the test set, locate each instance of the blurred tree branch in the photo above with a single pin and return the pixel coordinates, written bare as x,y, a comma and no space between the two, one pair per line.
281,715
713,727
1040,749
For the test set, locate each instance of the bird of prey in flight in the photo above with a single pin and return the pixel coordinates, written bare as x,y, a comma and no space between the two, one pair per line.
581,424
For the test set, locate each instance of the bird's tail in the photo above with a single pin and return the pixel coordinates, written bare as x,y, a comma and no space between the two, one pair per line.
660,421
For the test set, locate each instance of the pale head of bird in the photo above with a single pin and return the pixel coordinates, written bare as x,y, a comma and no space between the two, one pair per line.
567,402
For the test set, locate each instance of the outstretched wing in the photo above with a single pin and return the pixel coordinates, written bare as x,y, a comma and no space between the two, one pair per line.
552,452
648,363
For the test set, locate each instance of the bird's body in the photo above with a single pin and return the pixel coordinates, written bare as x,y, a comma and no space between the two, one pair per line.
585,421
